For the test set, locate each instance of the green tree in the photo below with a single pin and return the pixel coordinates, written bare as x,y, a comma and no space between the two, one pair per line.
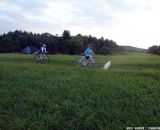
154,49
66,35
6,45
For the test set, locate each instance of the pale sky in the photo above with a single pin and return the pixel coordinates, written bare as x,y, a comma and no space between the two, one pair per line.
127,22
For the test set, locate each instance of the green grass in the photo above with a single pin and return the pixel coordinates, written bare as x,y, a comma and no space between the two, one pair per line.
66,96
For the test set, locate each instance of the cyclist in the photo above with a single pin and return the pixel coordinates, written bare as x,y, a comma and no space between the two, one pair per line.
42,52
89,54
43,49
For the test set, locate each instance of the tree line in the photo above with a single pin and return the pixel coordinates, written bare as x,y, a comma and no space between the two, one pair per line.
154,49
66,44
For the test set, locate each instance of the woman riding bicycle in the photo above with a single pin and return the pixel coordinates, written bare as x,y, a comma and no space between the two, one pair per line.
89,54
43,49
42,52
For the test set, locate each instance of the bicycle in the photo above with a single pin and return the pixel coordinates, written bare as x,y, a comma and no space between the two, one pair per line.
81,61
42,58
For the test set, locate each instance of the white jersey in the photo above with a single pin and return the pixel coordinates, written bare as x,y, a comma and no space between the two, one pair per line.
43,49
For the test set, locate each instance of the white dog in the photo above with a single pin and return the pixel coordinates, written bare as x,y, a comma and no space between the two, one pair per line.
107,65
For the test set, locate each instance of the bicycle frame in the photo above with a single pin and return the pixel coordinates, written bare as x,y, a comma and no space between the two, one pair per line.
40,58
84,61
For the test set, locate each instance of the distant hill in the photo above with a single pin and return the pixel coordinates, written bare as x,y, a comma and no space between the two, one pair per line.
134,49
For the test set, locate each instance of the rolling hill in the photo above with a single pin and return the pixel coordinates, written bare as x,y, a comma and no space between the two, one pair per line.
134,49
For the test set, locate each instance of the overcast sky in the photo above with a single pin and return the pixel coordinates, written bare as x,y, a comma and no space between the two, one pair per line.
127,22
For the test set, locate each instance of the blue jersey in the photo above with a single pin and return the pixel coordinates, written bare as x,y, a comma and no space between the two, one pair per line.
88,52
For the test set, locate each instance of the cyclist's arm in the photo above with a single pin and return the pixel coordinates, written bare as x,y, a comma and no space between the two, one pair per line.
45,50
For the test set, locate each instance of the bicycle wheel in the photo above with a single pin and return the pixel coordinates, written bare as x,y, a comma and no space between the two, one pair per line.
37,59
78,61
46,59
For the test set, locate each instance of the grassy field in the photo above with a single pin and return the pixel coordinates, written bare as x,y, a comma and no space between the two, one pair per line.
66,96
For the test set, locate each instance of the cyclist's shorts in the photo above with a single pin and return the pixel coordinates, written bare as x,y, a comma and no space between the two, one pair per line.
87,57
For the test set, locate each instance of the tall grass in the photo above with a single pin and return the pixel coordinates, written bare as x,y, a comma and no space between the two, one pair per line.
63,95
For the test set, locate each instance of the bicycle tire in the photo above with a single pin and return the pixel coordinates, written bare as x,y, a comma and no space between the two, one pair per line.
37,59
48,60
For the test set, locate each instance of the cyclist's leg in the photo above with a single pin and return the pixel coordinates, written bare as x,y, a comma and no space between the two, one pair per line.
41,55
91,59
37,58
86,60
46,56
